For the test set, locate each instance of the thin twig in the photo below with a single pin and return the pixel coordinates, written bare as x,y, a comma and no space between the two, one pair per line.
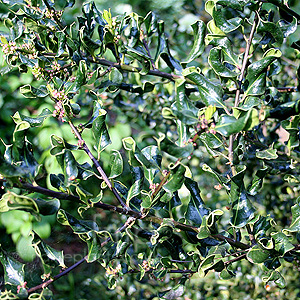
65,196
245,61
126,211
129,222
149,54
239,88
63,273
96,163
228,262
291,89
159,187
128,68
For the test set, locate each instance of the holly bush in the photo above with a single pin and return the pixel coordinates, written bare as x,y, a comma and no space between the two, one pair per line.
143,159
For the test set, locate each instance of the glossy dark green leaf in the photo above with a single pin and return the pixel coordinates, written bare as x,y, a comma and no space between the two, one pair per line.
57,181
94,248
163,50
242,209
208,264
226,25
10,170
81,74
226,46
50,257
78,226
257,181
115,76
100,132
141,55
70,165
135,155
209,223
172,149
288,28
290,125
183,108
271,28
196,208
29,91
211,140
116,164
14,273
221,179
183,133
295,224
61,39
85,171
89,44
176,179
226,274
153,155
216,61
257,254
163,232
261,225
11,201
250,102
33,121
282,243
47,207
53,254
138,179
198,46
27,62
235,4
69,3
267,154
150,22
276,277
20,133
229,125
210,93
256,73
27,160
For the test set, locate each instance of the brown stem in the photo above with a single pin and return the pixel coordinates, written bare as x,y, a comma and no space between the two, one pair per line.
65,196
230,155
159,187
245,61
239,88
129,222
96,163
132,213
149,54
63,273
287,89
104,62
228,262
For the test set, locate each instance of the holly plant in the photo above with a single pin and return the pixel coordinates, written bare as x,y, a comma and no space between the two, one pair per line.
158,154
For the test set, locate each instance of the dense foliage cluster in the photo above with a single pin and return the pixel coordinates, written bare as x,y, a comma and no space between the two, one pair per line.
138,158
